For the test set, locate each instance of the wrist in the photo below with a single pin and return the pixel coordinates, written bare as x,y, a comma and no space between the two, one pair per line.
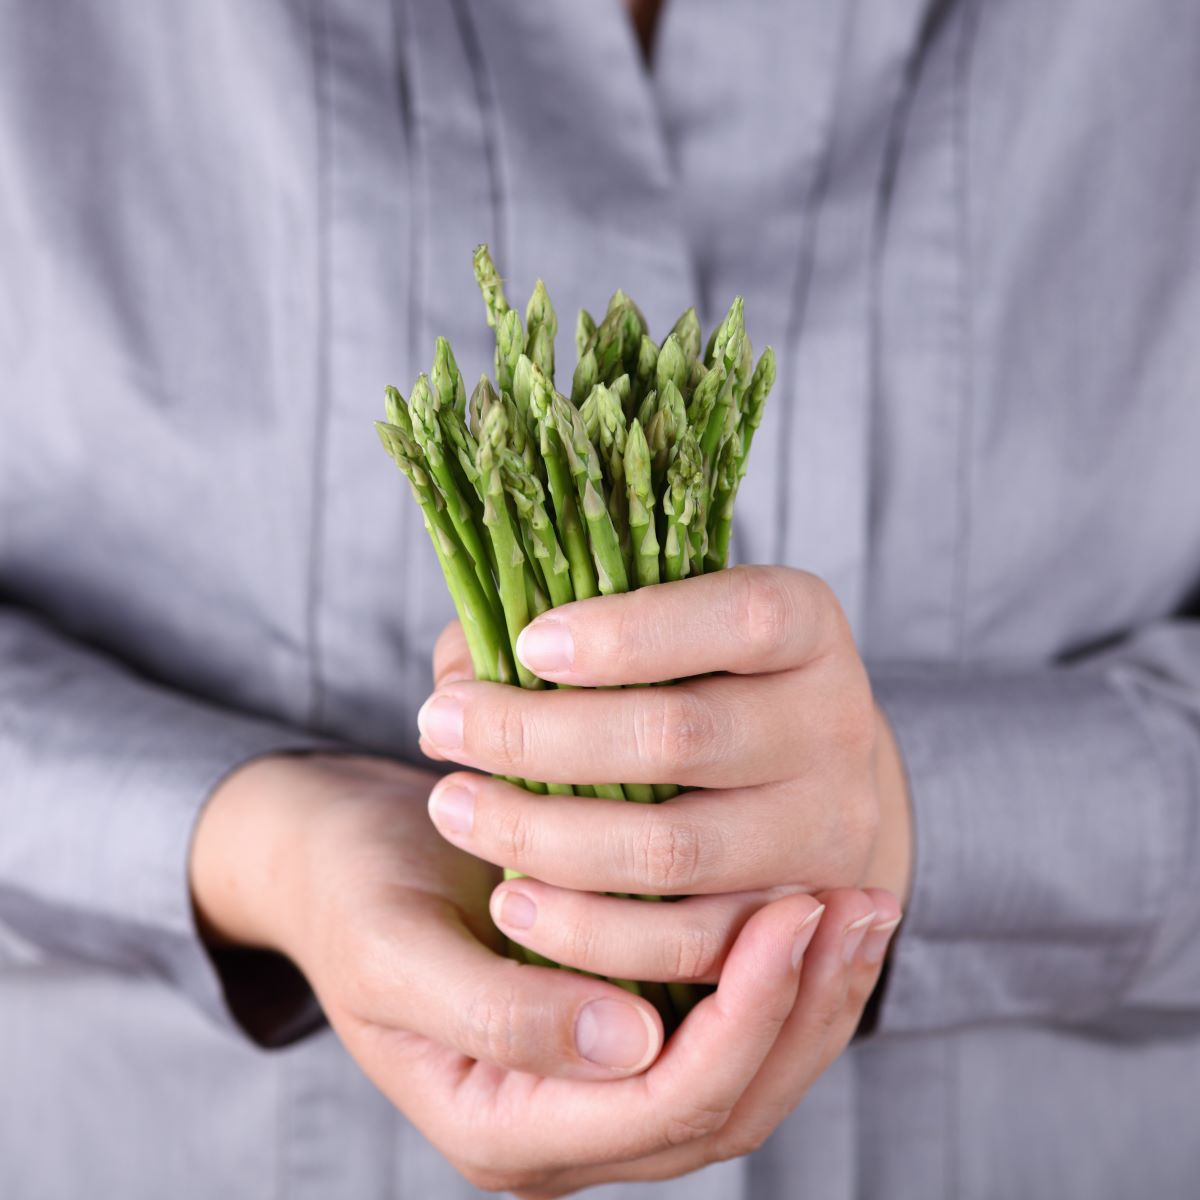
246,851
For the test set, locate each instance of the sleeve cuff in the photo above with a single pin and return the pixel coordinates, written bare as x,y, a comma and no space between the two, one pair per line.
105,776
1041,846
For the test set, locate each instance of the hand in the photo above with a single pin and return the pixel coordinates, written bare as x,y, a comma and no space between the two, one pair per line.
803,787
332,861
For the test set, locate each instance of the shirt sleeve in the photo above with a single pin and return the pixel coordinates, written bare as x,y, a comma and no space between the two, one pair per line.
102,778
1057,839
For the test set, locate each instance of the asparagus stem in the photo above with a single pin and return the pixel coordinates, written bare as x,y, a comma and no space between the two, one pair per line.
511,568
687,333
640,491
510,345
491,657
490,285
571,534
679,506
584,466
585,327
530,503
427,432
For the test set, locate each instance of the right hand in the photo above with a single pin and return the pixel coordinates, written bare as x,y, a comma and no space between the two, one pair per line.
526,1078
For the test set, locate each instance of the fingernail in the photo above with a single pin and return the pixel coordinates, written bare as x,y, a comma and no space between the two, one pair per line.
875,947
804,935
546,645
517,911
612,1033
441,722
852,938
452,809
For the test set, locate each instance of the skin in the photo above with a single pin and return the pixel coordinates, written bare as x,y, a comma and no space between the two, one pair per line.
799,781
333,861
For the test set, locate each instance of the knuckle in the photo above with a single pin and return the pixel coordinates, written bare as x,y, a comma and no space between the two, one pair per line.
514,835
631,634
505,736
763,607
494,1027
675,729
827,1010
580,943
672,854
694,954
695,1122
746,1139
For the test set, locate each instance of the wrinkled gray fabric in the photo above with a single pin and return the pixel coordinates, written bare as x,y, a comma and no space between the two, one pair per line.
973,233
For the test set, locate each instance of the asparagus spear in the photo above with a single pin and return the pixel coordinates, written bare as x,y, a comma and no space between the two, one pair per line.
687,333
427,431
587,373
672,365
482,398
679,506
541,324
511,566
510,345
644,375
530,502
491,657
640,493
585,326
720,519
562,492
610,442
584,464
490,285
761,383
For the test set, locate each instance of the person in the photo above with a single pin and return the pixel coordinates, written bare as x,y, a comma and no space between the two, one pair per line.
967,690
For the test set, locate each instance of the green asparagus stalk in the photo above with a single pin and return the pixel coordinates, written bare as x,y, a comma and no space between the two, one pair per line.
427,431
640,491
585,327
491,656
584,464
679,506
490,285
687,333
510,345
529,500
569,523
511,566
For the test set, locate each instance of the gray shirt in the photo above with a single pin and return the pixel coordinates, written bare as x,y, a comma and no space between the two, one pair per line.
971,230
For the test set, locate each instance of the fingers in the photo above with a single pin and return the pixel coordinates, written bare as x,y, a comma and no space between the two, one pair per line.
721,1045
700,842
686,942
428,974
722,731
747,620
839,972
451,664
451,658
826,1011
518,1133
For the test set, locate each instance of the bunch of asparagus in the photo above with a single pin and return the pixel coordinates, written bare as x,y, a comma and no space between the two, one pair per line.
533,499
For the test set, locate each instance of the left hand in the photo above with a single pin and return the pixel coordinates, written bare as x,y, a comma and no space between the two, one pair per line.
800,784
